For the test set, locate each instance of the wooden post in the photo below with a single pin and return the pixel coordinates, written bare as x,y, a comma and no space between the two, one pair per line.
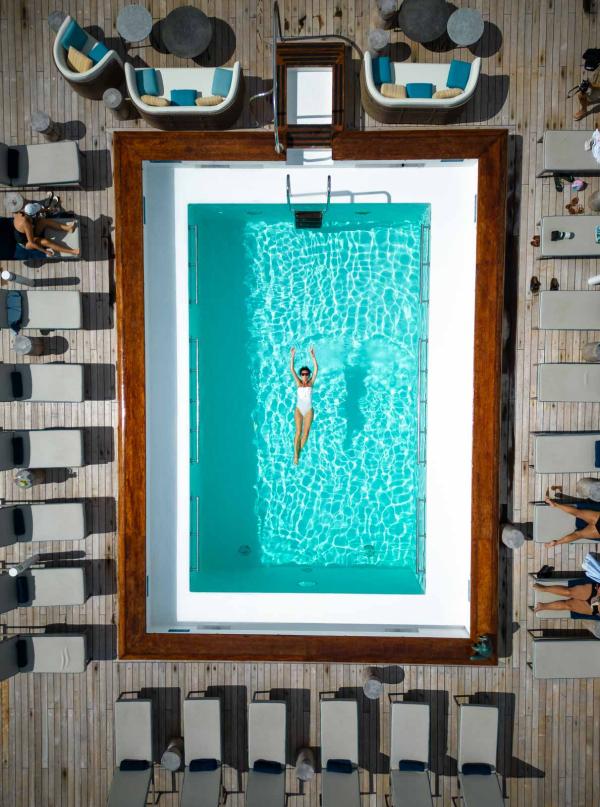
119,106
41,123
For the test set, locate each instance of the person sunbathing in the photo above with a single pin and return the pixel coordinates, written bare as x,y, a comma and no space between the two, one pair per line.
587,523
581,598
29,234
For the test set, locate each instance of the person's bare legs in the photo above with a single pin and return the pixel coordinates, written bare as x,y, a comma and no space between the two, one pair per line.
48,244
298,435
308,419
591,516
581,592
41,225
578,606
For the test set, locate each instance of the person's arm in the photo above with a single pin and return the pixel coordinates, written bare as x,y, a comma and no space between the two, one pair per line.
566,539
292,368
315,365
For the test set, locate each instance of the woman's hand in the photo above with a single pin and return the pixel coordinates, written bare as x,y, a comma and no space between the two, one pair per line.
292,352
552,543
312,351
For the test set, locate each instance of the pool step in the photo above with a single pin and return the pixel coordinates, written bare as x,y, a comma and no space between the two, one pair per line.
308,219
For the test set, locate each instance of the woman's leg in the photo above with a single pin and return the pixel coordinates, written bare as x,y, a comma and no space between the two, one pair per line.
48,244
591,516
308,419
581,592
41,225
298,435
564,605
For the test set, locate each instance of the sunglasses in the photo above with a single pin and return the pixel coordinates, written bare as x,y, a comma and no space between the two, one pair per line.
304,373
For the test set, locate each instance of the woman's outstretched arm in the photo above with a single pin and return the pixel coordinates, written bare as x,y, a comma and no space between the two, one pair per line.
292,368
315,365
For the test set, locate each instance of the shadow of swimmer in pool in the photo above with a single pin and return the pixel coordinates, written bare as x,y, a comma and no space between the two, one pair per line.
303,413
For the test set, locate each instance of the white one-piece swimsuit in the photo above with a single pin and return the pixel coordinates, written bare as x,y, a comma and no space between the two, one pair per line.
304,400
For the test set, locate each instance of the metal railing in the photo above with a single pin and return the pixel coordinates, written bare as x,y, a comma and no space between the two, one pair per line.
288,194
193,264
194,533
194,401
421,525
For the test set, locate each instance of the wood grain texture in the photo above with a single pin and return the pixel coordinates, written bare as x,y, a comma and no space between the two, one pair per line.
57,743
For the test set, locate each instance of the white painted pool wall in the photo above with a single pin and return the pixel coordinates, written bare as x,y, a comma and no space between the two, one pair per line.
450,189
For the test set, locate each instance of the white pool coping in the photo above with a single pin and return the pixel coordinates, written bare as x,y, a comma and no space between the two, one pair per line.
450,189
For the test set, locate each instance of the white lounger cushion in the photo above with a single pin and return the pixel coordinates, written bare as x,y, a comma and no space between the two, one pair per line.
55,448
564,152
568,452
133,729
48,164
266,731
53,310
566,658
202,728
481,790
571,310
44,382
583,244
129,788
410,733
550,523
53,653
63,522
568,382
477,734
57,586
339,730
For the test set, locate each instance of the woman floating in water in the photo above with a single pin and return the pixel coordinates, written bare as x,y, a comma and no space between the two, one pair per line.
303,414
589,529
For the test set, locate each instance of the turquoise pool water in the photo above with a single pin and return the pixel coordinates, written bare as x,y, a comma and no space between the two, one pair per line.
351,516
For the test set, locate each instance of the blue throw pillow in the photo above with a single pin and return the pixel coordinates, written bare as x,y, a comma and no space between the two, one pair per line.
16,384
14,310
458,75
18,520
339,766
197,765
147,83
98,52
134,765
411,765
267,766
22,589
476,769
183,97
597,454
382,70
22,655
221,82
419,90
74,36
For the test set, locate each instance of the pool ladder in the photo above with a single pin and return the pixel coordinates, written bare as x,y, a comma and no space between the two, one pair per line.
307,219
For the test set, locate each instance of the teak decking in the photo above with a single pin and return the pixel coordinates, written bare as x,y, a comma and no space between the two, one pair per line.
56,743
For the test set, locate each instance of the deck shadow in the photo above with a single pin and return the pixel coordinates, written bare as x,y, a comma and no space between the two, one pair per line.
297,720
222,45
99,382
98,311
166,716
98,445
234,712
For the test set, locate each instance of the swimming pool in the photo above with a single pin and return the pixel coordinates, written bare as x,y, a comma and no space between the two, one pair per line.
350,518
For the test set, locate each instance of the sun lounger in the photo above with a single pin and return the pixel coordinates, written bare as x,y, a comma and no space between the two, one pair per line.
46,653
41,448
203,753
577,383
50,164
566,657
583,244
63,521
550,523
477,753
42,587
133,753
565,452
409,755
543,596
46,310
41,382
564,153
266,754
570,310
339,753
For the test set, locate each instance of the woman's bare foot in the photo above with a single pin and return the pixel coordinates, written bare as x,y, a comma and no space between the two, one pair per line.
550,544
538,587
296,458
72,226
538,607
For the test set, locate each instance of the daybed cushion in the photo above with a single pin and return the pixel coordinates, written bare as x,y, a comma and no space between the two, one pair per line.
98,52
209,100
393,90
78,61
155,100
183,97
53,653
55,448
63,520
447,93
221,81
49,164
52,586
147,82
382,70
51,310
458,75
74,36
419,90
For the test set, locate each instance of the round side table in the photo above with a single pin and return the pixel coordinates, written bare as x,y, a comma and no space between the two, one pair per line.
465,26
186,32
423,20
134,23
305,764
13,202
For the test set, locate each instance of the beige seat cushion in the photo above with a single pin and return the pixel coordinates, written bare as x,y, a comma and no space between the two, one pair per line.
133,729
155,100
78,61
64,521
49,164
393,90
57,653
55,448
51,587
50,310
209,100
448,92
